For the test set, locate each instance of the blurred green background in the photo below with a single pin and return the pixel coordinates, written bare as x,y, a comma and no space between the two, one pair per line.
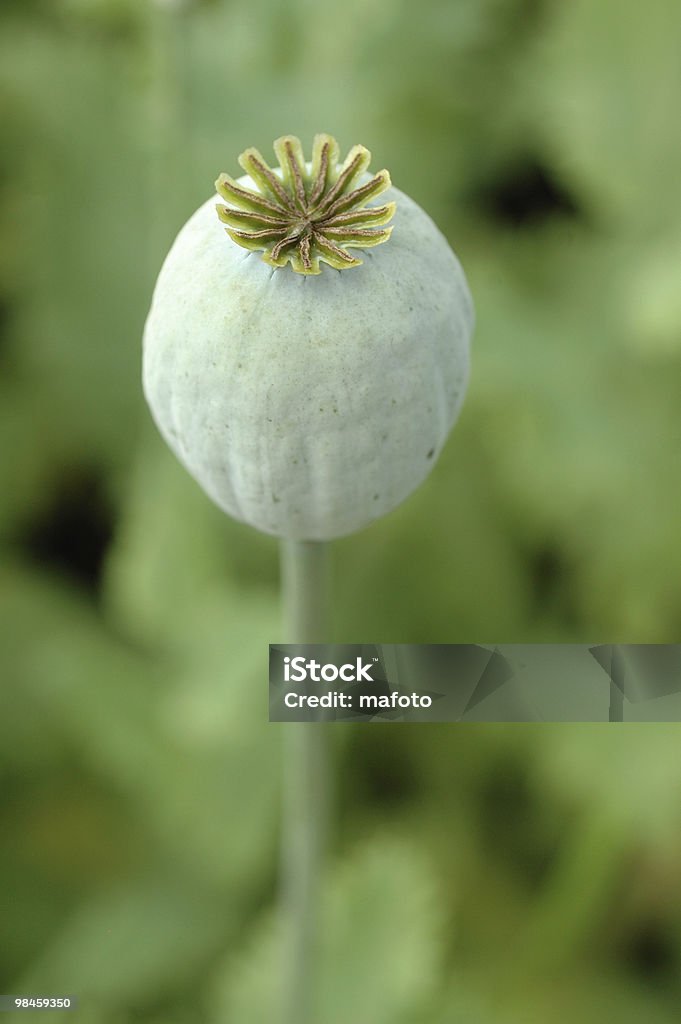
480,874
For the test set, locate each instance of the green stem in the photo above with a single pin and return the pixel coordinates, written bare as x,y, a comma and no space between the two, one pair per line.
304,575
305,591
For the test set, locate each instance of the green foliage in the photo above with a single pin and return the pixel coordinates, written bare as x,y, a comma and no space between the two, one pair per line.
378,959
611,75
492,875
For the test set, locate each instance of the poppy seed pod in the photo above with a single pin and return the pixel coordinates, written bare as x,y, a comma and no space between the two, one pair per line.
307,389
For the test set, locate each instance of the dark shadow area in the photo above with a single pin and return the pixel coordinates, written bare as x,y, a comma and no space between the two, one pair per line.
650,952
383,772
5,323
72,533
550,582
525,195
511,826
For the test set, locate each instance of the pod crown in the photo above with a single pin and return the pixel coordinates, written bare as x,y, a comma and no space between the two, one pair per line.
306,216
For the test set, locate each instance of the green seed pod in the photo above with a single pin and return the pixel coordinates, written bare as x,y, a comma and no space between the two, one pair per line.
308,391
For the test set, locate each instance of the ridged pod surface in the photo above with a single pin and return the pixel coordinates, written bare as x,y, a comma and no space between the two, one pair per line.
308,404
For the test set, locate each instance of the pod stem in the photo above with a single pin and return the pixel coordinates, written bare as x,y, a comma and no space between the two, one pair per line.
305,593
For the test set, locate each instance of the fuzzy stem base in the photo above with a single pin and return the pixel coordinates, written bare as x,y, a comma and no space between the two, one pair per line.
305,593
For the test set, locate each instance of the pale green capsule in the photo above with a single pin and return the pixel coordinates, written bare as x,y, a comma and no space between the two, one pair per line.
308,405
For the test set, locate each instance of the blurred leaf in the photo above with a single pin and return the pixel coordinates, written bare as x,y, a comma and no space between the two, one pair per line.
379,948
174,750
619,768
174,548
610,78
81,206
131,944
590,996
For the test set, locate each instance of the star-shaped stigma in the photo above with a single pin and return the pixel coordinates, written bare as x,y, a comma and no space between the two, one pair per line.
306,217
